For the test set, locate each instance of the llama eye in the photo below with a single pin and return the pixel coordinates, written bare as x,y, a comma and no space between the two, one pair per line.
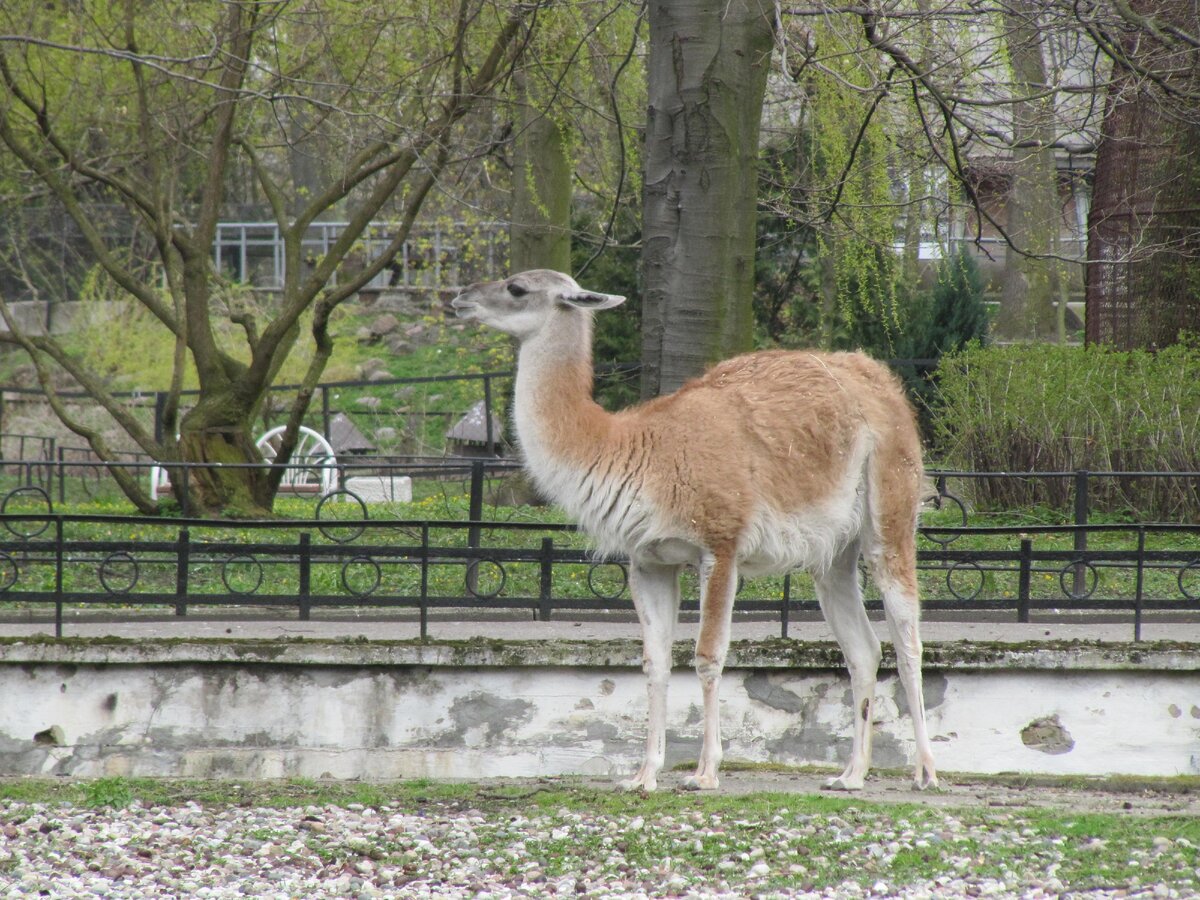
517,291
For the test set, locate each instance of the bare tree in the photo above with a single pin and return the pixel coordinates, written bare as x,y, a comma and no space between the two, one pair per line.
151,106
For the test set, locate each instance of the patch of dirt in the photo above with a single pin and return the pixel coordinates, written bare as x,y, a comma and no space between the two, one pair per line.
1146,797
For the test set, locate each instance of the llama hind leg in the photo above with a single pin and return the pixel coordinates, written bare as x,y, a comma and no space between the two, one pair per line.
718,582
903,615
840,596
655,592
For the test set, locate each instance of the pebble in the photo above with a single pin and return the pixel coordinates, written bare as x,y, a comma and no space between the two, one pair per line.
218,853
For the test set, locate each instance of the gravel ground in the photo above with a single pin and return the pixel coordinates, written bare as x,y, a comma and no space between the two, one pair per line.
518,850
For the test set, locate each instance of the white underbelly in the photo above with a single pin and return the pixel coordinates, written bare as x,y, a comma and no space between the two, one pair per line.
774,543
779,542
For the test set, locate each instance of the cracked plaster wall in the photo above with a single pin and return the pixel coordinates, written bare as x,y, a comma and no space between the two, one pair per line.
274,720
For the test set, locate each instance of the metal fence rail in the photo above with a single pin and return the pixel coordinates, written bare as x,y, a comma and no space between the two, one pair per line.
117,563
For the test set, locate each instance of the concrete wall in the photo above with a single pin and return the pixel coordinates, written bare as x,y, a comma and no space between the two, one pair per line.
477,709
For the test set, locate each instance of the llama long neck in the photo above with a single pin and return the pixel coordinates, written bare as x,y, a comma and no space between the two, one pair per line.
558,423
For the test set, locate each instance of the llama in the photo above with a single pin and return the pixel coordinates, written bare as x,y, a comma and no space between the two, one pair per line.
770,461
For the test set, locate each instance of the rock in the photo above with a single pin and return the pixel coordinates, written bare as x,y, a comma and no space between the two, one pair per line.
385,325
398,345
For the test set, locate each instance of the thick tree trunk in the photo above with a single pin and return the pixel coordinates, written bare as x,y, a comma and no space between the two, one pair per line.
1030,287
1143,273
708,68
224,486
218,434
540,233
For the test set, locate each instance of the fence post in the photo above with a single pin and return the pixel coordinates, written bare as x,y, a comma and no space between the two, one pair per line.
475,513
1024,580
305,576
58,577
183,553
424,581
62,478
784,611
487,414
547,580
1137,591
1081,539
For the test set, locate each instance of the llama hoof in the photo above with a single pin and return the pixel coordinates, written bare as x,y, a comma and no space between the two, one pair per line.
633,786
640,784
844,783
925,777
700,783
926,783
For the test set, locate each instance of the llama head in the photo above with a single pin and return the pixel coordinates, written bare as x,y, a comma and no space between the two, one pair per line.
523,304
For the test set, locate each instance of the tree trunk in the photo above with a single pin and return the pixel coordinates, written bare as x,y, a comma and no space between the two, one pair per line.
540,233
707,72
1029,291
1143,273
216,438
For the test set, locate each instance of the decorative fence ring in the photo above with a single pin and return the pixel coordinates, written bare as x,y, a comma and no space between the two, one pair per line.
946,541
1194,565
241,559
965,564
89,480
1069,569
362,508
11,572
16,492
615,594
472,579
108,568
374,584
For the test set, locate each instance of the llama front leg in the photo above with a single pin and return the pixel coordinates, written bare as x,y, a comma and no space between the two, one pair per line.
718,580
655,592
840,596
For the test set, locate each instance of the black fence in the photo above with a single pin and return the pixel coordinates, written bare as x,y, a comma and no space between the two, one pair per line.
429,406
343,558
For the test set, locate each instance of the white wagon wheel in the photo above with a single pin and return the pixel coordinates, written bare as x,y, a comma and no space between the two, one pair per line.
313,466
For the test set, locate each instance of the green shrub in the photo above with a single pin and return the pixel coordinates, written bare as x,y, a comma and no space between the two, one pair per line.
1044,407
957,313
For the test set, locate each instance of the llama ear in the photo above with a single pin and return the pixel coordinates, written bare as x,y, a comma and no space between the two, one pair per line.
592,300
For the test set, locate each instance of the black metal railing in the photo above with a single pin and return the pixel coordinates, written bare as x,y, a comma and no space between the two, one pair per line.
339,560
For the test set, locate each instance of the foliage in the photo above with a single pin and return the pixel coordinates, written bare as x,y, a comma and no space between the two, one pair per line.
112,792
957,315
906,322
787,289
1052,408
584,79
142,360
617,338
